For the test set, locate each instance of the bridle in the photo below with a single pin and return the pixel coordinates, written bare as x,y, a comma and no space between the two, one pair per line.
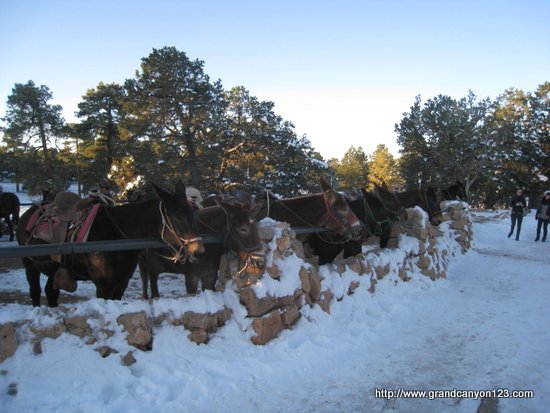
251,256
368,212
178,255
424,198
329,215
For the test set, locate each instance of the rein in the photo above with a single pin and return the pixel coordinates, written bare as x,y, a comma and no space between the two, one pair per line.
247,255
181,254
368,212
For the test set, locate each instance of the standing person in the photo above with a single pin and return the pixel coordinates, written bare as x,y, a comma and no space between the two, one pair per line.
518,205
543,216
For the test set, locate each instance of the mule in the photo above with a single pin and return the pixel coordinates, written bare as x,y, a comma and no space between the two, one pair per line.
168,217
376,219
230,220
9,210
427,198
327,209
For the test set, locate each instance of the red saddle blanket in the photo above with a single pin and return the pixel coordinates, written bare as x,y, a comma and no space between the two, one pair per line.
46,226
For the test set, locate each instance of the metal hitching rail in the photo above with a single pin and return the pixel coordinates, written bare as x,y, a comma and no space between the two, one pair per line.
68,248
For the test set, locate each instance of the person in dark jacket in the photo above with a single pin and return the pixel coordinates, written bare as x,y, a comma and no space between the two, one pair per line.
543,216
519,206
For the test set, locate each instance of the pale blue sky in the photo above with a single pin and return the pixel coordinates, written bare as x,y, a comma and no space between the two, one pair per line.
342,71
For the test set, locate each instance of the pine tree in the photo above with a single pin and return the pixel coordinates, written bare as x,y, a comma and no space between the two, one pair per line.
101,134
34,129
445,141
173,107
383,168
352,171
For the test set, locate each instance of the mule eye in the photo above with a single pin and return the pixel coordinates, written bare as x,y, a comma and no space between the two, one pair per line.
243,230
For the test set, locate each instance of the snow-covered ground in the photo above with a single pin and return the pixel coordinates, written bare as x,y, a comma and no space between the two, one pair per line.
484,327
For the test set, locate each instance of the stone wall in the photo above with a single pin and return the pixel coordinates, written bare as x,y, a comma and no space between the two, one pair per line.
264,305
416,244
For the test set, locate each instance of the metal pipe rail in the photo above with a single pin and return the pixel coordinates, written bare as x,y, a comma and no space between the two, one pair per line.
69,248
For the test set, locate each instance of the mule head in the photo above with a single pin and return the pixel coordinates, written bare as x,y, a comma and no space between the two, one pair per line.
390,202
339,217
433,204
243,236
178,224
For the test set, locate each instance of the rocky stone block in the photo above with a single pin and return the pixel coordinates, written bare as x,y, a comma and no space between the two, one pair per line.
267,327
8,341
138,328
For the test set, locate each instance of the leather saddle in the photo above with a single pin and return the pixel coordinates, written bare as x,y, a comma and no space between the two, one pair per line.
67,219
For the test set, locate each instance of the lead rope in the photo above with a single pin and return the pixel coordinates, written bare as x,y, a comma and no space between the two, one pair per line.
177,253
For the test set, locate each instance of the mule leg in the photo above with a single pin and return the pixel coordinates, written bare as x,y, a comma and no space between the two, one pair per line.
209,278
33,278
154,280
352,248
10,226
191,283
144,274
52,294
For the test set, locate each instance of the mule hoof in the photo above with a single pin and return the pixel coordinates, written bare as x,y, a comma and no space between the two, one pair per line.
62,280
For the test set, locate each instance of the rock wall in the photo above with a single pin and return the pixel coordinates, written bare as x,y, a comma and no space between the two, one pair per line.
302,283
263,305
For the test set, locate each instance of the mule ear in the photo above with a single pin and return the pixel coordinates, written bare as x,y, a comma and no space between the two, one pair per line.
228,207
161,192
244,198
325,186
180,188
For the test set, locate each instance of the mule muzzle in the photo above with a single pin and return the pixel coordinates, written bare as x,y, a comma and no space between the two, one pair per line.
436,219
195,249
355,233
254,262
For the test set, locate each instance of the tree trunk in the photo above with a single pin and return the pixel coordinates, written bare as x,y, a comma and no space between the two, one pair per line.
47,161
192,159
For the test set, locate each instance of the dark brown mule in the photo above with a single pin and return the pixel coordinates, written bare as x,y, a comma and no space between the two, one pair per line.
376,219
427,198
168,217
327,209
9,210
239,232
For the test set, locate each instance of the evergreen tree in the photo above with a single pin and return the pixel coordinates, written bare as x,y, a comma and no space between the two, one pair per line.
352,171
170,104
34,129
445,141
258,147
519,132
101,134
383,168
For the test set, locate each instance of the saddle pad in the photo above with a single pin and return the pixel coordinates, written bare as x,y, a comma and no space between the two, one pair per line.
82,234
33,220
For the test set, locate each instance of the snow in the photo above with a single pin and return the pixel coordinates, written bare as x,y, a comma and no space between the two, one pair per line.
483,327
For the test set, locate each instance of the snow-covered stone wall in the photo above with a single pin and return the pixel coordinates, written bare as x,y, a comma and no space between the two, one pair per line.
261,306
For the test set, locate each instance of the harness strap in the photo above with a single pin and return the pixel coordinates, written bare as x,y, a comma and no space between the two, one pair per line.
178,256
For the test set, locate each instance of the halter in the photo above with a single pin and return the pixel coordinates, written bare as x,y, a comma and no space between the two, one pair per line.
247,254
179,255
399,211
329,215
424,198
368,211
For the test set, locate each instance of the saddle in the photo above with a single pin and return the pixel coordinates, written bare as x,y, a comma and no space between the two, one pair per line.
67,219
